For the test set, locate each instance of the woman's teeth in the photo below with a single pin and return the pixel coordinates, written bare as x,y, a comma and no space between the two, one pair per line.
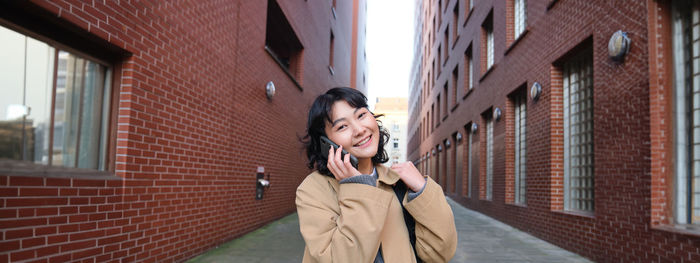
363,141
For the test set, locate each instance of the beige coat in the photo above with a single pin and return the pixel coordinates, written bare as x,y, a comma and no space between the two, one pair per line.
348,222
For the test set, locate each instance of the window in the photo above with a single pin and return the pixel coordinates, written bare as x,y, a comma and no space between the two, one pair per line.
455,17
686,38
420,128
520,132
487,42
445,108
396,143
281,42
330,54
578,132
468,75
432,36
432,77
439,59
519,18
446,43
432,116
55,104
439,11
470,135
455,76
333,5
457,162
438,116
489,157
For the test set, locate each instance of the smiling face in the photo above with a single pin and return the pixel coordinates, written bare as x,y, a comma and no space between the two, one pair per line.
355,129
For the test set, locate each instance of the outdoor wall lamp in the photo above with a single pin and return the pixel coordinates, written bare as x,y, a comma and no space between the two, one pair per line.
535,91
434,152
439,148
270,90
458,137
261,183
497,114
447,144
618,46
474,127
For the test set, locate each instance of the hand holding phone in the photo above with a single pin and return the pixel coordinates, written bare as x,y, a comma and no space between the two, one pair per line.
326,145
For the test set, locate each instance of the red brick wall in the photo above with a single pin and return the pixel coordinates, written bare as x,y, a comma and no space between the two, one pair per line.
193,124
633,181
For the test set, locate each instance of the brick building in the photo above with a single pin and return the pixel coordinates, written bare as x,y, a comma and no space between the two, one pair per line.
133,130
520,111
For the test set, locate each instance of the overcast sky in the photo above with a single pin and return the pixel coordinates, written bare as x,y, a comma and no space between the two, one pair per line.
389,47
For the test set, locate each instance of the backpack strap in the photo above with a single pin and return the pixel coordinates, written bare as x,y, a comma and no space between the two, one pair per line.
400,190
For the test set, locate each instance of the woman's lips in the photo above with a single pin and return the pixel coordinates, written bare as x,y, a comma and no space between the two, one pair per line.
368,141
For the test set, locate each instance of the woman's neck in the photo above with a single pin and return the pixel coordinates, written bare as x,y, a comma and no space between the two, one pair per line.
364,165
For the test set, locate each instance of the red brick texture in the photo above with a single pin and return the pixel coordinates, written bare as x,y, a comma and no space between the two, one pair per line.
632,124
193,123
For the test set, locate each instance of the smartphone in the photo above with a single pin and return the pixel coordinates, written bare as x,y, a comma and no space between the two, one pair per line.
326,145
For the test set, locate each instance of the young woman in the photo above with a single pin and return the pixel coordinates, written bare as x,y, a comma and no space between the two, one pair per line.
371,213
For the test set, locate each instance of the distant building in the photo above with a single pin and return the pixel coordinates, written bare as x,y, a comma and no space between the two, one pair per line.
525,111
132,131
394,120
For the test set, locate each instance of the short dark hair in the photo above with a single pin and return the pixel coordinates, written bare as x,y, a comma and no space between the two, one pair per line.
320,113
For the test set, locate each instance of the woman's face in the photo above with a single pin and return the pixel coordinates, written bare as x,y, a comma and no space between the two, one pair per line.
355,129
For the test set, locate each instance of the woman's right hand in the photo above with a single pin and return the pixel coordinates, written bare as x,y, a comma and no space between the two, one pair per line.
341,169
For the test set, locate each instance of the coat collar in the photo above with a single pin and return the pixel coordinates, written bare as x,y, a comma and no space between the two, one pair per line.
387,175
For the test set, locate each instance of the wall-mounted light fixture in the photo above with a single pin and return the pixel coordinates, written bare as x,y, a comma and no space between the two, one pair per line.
434,152
618,46
497,114
447,144
475,127
458,137
439,148
535,91
270,90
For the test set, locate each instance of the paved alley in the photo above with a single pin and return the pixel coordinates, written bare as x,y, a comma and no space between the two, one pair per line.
481,239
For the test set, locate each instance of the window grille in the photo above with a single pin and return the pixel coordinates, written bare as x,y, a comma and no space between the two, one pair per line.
520,148
578,133
489,158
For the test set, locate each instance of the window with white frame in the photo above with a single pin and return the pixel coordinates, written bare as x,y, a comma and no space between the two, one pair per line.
520,17
520,147
55,104
396,143
578,132
489,157
686,60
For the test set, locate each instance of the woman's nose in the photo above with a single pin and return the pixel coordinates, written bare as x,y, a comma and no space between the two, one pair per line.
357,128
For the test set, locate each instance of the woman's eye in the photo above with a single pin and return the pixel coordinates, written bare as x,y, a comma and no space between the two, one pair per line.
362,115
341,127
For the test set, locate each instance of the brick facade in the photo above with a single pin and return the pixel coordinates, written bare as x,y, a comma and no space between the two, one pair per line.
191,124
632,117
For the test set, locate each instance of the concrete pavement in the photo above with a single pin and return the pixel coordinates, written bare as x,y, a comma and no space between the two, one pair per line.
481,239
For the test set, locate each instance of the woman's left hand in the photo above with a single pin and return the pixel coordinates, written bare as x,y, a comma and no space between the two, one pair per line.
409,175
